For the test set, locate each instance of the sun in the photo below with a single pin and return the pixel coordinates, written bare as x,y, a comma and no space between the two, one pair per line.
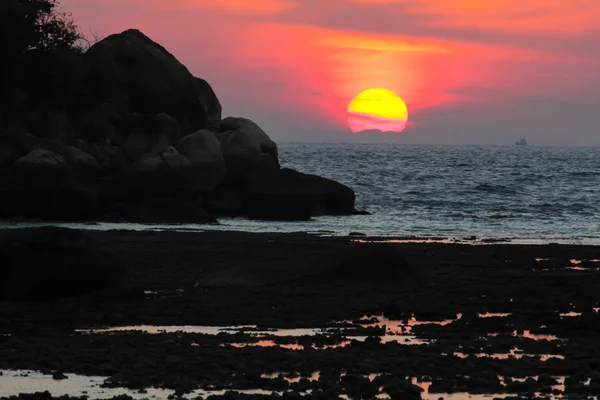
377,109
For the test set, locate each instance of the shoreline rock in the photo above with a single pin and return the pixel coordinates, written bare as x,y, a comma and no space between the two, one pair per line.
147,143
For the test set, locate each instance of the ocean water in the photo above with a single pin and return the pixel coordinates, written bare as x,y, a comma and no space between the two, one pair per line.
544,193
525,194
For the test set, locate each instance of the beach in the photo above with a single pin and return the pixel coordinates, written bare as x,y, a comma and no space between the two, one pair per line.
369,315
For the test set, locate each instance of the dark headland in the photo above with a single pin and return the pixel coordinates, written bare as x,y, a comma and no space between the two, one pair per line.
143,140
138,138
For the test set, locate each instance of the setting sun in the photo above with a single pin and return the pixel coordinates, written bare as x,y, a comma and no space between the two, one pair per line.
377,109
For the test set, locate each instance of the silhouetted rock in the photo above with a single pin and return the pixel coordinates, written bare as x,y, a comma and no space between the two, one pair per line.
54,193
135,74
143,132
290,195
224,201
79,159
246,146
50,263
204,152
209,102
153,134
41,158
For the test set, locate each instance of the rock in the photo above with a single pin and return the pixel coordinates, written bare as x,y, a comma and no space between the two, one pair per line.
149,162
59,376
28,142
203,150
81,160
166,210
139,143
38,264
48,122
98,124
175,160
111,158
136,74
209,103
9,151
223,202
41,158
246,146
290,195
151,134
48,193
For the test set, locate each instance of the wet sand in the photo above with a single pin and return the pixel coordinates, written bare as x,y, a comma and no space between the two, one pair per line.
508,311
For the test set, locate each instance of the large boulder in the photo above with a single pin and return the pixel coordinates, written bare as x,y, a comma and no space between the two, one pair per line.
41,159
246,146
153,134
204,152
290,195
135,74
40,264
209,102
53,192
80,160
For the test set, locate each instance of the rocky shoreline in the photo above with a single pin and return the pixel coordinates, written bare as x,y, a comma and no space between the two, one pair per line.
143,140
494,318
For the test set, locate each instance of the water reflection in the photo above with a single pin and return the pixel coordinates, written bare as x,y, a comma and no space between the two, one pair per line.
528,335
514,353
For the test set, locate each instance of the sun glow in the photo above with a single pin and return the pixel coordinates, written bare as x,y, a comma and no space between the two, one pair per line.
377,109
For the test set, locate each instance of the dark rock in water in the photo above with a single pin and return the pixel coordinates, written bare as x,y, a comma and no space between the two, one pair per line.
246,146
359,234
38,264
290,195
135,74
59,376
362,212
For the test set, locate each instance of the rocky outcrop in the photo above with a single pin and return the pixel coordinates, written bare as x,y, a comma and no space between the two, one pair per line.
135,74
203,150
146,143
41,159
246,146
290,195
209,102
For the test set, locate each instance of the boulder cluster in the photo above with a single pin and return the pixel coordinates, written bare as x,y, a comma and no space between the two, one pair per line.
149,144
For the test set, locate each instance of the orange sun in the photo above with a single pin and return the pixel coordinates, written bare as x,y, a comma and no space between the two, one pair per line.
377,109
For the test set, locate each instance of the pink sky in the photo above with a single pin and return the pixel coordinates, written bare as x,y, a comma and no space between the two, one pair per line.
471,71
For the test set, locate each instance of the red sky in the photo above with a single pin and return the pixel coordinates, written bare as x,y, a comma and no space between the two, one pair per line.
471,71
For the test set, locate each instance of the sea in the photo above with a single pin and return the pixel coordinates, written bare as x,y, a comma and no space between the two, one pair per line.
526,194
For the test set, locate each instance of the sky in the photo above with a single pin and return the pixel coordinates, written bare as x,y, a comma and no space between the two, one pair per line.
470,71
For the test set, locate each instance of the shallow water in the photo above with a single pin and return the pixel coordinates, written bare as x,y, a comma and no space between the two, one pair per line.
390,336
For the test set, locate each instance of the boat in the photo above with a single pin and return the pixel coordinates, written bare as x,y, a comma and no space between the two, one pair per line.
521,142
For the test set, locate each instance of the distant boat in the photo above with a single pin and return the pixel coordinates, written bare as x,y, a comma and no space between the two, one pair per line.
521,142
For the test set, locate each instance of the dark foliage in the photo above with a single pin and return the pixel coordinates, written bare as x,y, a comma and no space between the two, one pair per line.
39,52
